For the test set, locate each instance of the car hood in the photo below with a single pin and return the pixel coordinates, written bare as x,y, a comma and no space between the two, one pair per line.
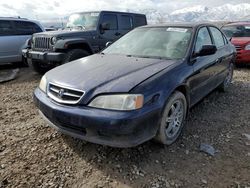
106,73
66,33
240,40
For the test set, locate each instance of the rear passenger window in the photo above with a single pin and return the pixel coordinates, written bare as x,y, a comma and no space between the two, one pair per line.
126,22
217,36
110,19
5,28
26,28
139,21
203,38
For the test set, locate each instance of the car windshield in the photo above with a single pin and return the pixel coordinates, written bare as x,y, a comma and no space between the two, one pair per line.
86,20
236,30
158,42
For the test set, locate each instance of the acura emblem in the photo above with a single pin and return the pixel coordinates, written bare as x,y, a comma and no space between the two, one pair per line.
61,93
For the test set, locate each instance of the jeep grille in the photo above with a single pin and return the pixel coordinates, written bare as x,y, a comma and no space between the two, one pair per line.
42,43
64,95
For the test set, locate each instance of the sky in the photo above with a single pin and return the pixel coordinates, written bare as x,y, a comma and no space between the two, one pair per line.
47,9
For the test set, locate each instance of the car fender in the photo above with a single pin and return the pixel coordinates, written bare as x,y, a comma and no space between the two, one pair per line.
66,43
165,83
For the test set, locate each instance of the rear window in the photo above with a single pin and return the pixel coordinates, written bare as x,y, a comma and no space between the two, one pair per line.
139,21
26,28
126,22
218,37
6,28
236,30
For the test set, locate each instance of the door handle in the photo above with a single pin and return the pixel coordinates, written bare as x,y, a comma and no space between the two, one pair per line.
117,34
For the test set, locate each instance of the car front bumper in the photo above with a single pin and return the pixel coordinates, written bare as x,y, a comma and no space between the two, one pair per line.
105,127
43,56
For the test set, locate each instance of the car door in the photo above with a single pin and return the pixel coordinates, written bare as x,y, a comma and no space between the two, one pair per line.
109,35
200,82
7,42
223,55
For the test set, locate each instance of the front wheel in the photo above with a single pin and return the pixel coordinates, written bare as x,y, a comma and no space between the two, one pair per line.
75,54
173,119
224,86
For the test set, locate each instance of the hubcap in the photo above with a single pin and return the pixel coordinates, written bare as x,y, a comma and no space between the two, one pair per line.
174,119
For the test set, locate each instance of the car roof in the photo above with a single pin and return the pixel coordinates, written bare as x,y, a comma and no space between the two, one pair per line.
13,18
17,19
181,24
109,11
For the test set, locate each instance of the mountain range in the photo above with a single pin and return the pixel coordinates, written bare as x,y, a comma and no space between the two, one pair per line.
227,12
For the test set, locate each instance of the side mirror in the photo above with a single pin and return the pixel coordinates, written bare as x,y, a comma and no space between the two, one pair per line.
108,43
206,50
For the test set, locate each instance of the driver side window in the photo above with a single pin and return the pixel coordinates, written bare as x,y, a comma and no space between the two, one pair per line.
203,38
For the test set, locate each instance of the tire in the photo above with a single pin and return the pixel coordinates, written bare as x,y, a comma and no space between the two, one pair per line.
75,54
225,84
171,124
40,67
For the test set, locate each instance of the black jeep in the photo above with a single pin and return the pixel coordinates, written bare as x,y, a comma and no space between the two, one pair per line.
85,33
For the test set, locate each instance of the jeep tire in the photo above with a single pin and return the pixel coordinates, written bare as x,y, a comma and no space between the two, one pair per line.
75,54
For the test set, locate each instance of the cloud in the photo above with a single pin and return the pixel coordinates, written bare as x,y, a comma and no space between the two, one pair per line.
47,9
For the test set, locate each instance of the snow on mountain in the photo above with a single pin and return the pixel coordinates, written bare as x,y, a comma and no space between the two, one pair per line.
226,12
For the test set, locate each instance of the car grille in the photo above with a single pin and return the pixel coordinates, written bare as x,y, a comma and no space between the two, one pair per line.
64,95
42,43
238,48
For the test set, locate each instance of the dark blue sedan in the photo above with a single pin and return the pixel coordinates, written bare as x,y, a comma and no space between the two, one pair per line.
140,87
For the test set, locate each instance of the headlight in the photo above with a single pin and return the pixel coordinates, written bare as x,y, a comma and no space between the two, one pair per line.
53,40
247,47
43,84
118,102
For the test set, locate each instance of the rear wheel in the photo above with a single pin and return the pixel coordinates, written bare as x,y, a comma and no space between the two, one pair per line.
224,86
75,54
173,119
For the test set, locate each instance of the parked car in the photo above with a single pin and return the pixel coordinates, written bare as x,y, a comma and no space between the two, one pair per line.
239,34
14,33
86,33
140,87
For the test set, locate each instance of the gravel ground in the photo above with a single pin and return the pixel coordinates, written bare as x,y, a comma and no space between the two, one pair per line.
34,155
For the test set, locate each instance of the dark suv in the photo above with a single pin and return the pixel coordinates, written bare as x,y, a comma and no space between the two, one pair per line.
85,33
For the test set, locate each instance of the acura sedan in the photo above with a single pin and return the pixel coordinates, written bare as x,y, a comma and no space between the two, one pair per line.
140,87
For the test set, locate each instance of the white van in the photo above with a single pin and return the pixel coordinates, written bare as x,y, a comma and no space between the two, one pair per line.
14,33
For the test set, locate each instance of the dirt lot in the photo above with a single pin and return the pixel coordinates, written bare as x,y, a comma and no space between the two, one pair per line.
34,155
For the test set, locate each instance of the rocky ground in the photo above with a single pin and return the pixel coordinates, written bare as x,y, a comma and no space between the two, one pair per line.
34,155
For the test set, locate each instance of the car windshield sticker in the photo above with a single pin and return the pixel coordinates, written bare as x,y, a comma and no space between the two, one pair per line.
176,29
